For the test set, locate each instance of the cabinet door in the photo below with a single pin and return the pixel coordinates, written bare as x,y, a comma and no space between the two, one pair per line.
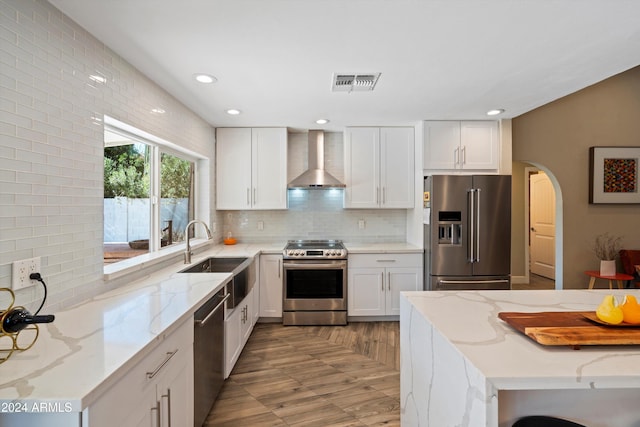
362,167
246,320
232,339
269,171
271,286
366,293
233,168
397,167
175,390
441,145
398,280
147,414
479,145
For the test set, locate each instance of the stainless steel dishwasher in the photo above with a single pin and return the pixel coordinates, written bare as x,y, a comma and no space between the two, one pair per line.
208,354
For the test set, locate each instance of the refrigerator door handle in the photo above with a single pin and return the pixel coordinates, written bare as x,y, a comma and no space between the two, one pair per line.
477,234
472,224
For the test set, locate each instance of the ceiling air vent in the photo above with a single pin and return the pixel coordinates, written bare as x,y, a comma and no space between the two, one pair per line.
354,82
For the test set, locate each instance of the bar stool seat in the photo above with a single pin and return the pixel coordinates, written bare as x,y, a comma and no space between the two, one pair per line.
544,421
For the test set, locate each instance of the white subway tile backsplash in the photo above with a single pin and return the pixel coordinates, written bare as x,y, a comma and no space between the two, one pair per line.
51,148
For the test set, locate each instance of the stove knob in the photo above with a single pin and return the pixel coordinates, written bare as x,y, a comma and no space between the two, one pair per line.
299,253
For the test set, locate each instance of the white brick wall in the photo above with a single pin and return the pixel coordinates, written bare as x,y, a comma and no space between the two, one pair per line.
51,143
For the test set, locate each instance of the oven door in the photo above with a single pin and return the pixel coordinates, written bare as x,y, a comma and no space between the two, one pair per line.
315,285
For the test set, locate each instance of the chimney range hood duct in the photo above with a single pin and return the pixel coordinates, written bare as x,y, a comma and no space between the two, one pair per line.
315,176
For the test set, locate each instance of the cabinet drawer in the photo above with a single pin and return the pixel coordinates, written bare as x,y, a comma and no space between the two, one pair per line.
124,396
385,260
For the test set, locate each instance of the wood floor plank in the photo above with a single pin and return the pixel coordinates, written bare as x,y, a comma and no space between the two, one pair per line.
338,376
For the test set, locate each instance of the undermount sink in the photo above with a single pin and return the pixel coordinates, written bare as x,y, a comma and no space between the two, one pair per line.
216,265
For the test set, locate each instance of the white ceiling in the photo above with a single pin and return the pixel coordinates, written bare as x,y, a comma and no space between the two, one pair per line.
439,59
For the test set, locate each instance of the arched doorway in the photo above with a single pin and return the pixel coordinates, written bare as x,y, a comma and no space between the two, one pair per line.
543,225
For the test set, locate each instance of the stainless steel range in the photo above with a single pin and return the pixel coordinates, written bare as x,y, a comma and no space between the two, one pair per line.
315,283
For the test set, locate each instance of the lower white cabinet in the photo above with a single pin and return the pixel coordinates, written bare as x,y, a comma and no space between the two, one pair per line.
271,286
238,326
375,281
158,391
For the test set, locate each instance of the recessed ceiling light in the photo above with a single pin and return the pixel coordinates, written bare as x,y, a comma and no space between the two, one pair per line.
205,78
322,121
158,111
495,112
233,112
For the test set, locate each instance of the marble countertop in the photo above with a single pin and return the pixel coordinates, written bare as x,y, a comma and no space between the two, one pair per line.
385,248
78,356
88,346
510,360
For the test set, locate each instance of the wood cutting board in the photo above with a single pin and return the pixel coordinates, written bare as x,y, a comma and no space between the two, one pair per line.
570,328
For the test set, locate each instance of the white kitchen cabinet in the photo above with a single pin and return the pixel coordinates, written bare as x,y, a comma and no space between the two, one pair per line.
157,391
271,292
376,280
238,326
379,167
251,168
461,145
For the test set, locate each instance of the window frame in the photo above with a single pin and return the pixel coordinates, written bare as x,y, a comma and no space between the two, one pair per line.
201,186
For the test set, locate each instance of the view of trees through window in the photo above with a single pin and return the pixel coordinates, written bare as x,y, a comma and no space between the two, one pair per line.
133,181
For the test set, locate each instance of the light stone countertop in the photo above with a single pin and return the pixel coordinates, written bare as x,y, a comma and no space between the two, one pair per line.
89,346
385,248
454,341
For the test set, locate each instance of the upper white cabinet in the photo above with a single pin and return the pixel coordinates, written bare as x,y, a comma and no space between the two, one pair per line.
251,168
456,145
379,167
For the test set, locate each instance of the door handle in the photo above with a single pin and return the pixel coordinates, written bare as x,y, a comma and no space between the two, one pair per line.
168,396
478,191
533,229
471,224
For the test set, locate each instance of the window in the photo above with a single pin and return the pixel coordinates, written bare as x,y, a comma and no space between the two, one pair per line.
149,193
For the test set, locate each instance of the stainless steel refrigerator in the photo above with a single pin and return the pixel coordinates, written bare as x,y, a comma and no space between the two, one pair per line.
467,232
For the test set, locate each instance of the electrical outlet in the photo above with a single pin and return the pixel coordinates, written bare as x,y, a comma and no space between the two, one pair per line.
22,270
260,225
361,224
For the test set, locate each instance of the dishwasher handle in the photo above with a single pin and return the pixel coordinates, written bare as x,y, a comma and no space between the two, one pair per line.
202,322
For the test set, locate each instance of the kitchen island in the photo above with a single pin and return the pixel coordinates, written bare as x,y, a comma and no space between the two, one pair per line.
463,366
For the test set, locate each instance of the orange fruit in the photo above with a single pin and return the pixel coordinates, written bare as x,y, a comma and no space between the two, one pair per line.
630,310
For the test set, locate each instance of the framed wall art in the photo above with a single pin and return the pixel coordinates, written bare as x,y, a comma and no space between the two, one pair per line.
613,175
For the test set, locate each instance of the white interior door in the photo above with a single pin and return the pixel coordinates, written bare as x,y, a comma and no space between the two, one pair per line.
542,208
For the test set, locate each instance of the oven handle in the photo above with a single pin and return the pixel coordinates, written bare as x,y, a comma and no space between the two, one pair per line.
319,265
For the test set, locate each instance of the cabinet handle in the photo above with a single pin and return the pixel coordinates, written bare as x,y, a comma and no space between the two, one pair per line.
157,410
279,268
170,354
389,281
377,195
464,155
384,195
248,197
255,198
456,158
382,279
385,260
168,396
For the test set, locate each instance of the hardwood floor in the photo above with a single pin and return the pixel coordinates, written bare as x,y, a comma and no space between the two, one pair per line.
535,282
314,376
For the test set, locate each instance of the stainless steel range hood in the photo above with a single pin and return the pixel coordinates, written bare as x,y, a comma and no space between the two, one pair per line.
315,176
